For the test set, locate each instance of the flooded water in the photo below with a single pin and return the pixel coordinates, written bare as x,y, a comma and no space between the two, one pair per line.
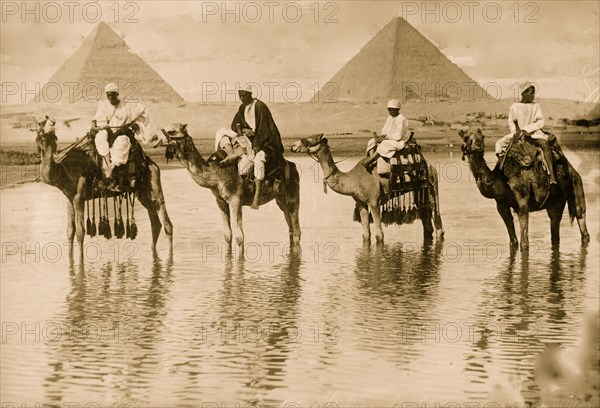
404,324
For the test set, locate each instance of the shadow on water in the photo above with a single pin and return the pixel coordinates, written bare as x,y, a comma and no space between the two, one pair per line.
248,336
108,331
528,306
396,297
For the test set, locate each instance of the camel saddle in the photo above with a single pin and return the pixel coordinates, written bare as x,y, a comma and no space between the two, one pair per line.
409,172
124,178
525,152
275,170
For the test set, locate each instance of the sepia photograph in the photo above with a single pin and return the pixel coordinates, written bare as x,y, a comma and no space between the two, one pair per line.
300,204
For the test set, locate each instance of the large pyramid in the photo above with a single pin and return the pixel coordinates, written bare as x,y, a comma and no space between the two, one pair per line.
104,57
399,62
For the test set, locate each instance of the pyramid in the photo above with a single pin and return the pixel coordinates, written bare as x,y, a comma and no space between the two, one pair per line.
104,57
399,62
594,113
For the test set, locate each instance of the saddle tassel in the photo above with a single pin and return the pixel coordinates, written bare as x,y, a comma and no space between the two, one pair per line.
134,231
100,217
93,226
127,227
121,225
88,222
107,230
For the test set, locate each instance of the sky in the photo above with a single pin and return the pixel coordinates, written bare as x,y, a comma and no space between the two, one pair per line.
292,48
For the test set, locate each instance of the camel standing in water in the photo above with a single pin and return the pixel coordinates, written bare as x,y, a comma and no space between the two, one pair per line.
368,189
523,187
232,192
73,176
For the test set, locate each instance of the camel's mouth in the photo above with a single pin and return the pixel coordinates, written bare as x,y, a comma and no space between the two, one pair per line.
472,141
177,132
311,144
298,146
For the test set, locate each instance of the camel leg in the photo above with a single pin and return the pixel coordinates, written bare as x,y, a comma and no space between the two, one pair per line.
295,215
576,201
585,236
364,220
504,211
555,213
291,213
524,224
235,206
434,200
376,212
152,198
78,206
155,224
224,207
427,224
161,207
70,226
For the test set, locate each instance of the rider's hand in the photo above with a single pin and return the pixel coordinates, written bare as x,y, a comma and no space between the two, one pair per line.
380,138
248,132
135,127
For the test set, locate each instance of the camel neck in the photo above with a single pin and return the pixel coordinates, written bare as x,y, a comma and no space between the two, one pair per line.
331,173
48,163
482,173
198,167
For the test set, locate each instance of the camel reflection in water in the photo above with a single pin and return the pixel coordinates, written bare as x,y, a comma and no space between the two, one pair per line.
398,284
248,335
529,307
111,324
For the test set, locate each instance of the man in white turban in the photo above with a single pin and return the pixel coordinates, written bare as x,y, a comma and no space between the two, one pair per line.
113,114
528,115
393,135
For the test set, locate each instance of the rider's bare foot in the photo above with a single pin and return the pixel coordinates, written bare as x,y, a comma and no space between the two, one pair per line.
254,205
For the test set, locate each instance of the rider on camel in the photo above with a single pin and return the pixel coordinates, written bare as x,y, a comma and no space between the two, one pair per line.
527,114
111,120
253,137
393,136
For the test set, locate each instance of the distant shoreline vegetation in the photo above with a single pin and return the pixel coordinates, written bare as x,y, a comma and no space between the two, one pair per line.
10,157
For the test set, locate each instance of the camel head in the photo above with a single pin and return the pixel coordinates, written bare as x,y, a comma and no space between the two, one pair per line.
46,135
179,143
311,144
472,141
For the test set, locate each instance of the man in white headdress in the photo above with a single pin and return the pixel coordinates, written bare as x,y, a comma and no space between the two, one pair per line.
528,115
114,114
392,138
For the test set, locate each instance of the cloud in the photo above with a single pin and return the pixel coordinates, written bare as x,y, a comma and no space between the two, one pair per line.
463,61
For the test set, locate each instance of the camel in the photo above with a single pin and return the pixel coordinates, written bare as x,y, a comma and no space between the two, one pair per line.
368,189
73,176
232,191
522,186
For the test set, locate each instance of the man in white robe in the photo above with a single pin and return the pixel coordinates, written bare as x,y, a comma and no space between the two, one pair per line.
528,115
114,114
237,147
393,135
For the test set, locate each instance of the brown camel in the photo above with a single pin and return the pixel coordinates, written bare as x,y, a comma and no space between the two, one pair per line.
368,189
73,176
231,191
523,186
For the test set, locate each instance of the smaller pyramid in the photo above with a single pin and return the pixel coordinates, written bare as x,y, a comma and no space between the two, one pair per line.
399,62
594,113
104,57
